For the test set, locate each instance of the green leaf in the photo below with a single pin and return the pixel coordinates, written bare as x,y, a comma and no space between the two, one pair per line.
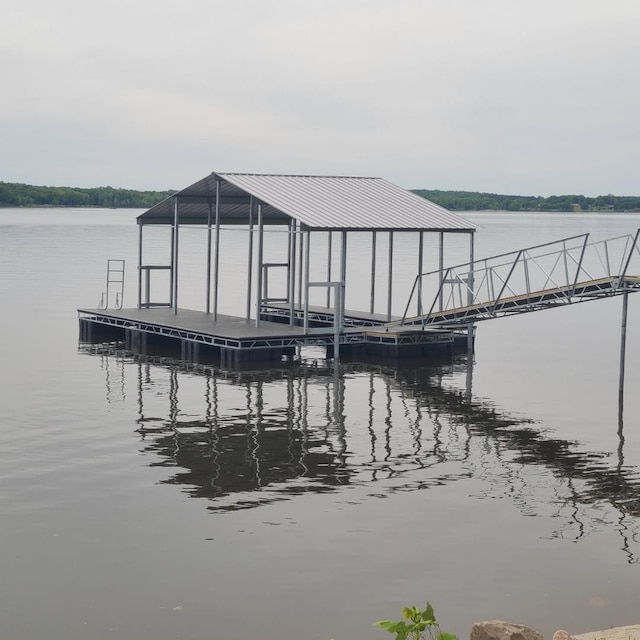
384,624
446,636
428,614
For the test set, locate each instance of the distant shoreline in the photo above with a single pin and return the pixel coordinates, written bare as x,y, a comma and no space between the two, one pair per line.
16,195
44,207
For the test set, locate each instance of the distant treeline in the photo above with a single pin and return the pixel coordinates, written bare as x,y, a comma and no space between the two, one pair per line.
473,201
25,195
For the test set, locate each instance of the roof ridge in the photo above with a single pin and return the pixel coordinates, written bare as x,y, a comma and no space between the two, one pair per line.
294,175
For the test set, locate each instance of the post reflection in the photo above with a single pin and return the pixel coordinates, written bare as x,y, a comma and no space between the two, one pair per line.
242,439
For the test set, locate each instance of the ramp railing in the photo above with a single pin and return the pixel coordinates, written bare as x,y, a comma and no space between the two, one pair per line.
554,272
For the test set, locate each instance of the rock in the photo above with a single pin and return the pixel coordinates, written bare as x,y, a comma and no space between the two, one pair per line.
561,634
500,630
631,632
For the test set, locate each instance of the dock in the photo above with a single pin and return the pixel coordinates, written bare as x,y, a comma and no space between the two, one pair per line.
307,221
231,340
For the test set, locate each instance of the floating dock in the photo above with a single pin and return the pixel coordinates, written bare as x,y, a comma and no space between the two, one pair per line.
195,337
310,219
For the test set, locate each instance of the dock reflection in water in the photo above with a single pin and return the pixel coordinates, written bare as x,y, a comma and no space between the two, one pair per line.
242,439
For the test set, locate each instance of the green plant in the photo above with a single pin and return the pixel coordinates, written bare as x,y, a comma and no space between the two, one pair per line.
416,625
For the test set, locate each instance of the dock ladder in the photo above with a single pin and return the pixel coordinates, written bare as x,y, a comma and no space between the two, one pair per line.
113,295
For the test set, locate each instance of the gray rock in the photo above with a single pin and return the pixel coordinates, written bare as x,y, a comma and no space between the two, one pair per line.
500,630
631,632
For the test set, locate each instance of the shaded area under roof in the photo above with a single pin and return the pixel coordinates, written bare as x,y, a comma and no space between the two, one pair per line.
318,202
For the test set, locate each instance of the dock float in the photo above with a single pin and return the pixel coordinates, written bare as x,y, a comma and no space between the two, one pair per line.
232,340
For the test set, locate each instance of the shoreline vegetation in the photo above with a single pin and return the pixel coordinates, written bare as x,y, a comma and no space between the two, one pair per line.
14,194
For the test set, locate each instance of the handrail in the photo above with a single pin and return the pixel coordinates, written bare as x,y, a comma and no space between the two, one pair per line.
486,281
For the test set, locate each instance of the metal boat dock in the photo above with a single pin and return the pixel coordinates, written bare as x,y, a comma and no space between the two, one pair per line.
288,306
234,340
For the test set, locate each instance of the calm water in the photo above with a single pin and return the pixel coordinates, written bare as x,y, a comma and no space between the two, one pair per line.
141,499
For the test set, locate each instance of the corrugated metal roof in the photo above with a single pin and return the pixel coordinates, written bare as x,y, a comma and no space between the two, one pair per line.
318,202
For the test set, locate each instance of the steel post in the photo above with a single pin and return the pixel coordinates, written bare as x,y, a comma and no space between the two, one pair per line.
140,266
470,296
329,260
390,277
337,323
171,270
291,272
306,281
292,282
208,289
216,264
372,303
420,260
250,259
343,274
260,255
623,344
300,262
175,255
441,268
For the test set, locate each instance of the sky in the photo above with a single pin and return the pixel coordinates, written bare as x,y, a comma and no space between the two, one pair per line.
505,96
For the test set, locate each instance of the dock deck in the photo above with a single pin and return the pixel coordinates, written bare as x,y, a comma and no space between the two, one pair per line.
325,315
237,339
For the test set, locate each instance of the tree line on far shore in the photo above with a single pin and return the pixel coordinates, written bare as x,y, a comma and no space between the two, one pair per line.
25,195
473,201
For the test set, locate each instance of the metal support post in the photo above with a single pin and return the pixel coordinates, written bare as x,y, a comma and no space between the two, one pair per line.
250,259
306,281
372,303
289,275
441,269
148,286
300,263
292,281
175,256
208,294
173,235
623,347
470,282
469,372
140,266
420,259
329,259
338,319
260,256
343,274
390,277
470,285
216,264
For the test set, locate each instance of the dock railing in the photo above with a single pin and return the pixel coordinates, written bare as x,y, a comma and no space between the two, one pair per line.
554,269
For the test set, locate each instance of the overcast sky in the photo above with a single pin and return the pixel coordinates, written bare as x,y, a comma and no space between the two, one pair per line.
532,97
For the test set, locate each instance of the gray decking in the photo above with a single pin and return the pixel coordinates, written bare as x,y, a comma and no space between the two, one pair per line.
198,326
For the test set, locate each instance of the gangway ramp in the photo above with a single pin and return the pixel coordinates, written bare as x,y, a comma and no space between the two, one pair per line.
563,272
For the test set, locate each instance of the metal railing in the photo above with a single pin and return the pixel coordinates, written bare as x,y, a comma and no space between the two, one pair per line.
553,269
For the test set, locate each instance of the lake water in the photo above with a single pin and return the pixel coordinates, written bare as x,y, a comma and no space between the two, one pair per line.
141,499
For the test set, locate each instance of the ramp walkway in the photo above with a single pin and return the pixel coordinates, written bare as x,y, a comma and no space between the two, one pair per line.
563,272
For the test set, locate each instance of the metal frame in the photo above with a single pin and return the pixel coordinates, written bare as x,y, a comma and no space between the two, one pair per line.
212,200
317,337
577,269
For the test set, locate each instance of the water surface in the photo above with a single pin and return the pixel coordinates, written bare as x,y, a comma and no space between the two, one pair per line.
141,498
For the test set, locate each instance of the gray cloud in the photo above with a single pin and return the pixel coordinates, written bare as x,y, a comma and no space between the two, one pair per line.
492,95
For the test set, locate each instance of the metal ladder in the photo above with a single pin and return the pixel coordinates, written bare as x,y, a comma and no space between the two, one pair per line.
115,285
